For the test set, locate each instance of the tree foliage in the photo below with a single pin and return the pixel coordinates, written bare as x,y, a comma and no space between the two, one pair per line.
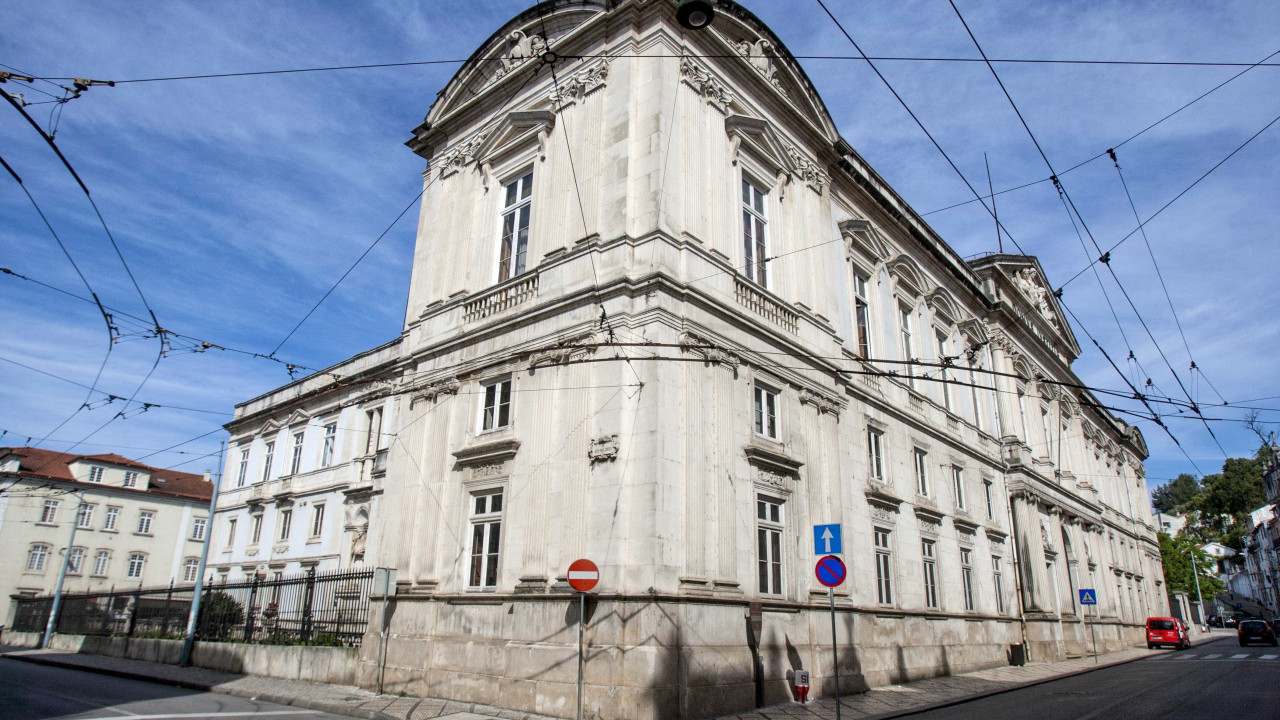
1176,554
1219,510
1174,496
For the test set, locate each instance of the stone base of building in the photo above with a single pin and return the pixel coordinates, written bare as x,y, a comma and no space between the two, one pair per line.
1050,638
650,658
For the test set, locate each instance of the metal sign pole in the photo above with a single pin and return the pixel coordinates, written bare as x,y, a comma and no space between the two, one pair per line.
1093,609
193,617
835,647
582,614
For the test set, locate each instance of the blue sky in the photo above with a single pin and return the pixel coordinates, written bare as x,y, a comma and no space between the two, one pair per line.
237,202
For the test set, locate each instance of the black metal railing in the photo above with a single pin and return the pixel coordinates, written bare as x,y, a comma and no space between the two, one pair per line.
314,608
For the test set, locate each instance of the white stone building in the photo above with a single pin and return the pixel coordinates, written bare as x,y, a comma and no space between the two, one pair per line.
302,468
136,525
662,316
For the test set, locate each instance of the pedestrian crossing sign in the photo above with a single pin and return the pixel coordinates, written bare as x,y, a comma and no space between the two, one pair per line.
1088,596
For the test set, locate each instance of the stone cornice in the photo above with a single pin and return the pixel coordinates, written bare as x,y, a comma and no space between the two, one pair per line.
488,452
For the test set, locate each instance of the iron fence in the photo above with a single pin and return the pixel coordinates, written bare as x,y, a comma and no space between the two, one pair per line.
330,608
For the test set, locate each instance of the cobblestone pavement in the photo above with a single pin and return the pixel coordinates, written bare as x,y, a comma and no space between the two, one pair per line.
875,704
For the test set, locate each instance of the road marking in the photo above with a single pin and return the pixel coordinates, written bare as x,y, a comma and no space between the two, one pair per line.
1241,655
1184,657
1268,657
1210,657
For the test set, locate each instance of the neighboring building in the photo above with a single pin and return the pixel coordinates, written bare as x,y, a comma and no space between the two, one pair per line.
1224,563
662,316
1170,524
300,473
137,525
1271,476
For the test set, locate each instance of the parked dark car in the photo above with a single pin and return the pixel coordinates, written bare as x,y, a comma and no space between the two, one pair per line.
1167,631
1229,622
1259,631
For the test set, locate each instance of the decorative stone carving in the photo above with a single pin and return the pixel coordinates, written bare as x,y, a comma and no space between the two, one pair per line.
567,350
461,155
603,449
1028,282
579,84
823,404
808,170
758,55
883,514
521,48
773,478
487,471
435,390
929,526
706,85
707,350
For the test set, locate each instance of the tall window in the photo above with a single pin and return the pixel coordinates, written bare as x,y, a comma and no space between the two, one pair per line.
100,561
515,226
496,412
486,532
49,513
1046,424
1022,412
75,561
875,453
754,233
957,485
884,567
317,520
941,338
966,577
991,508
231,532
255,529
244,468
373,441
330,444
769,544
95,474
84,516
190,569
144,522
927,552
908,355
268,457
113,516
197,528
922,472
997,578
861,315
295,463
766,414
136,563
286,524
36,558
131,479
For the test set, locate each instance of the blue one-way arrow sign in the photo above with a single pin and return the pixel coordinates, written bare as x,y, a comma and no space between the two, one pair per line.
1088,596
826,539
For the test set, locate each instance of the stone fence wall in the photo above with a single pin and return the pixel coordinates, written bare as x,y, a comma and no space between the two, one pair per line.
289,662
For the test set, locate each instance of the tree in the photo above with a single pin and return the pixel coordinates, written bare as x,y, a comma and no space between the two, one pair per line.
1176,553
1174,496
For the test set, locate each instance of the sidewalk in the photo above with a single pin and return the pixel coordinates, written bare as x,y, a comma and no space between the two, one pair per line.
895,700
876,704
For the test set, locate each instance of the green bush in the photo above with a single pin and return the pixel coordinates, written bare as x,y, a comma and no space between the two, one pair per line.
220,616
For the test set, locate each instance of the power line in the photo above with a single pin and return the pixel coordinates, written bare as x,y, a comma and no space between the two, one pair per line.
110,397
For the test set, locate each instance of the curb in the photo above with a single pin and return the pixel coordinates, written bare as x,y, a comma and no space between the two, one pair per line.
321,706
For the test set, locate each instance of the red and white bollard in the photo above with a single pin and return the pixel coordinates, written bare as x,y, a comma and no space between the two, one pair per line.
802,685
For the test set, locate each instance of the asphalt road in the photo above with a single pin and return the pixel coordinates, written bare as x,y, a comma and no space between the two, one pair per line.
33,692
1215,680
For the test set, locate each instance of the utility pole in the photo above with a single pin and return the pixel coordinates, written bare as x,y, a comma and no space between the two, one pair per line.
62,576
189,640
1199,597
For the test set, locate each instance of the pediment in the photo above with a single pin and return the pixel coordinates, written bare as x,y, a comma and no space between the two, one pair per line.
297,417
269,428
781,156
975,333
1023,286
908,275
944,305
863,238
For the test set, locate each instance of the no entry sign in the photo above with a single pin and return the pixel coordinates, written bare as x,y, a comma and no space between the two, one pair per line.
583,575
830,571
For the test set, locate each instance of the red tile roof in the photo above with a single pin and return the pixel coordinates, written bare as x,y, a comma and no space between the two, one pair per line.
57,466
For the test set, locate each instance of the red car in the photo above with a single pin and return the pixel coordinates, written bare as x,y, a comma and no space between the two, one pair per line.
1167,631
1256,631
